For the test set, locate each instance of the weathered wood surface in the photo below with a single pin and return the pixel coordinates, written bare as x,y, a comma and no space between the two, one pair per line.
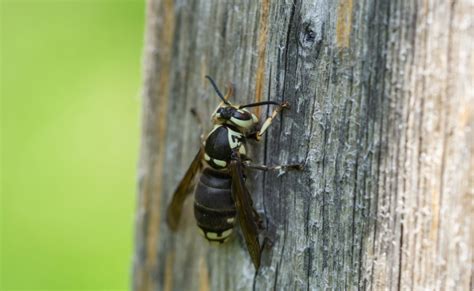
382,115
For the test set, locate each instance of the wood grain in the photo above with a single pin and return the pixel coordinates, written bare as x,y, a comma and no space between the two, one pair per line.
382,115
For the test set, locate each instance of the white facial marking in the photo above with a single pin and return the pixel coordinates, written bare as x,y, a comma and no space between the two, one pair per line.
230,220
254,118
242,123
206,157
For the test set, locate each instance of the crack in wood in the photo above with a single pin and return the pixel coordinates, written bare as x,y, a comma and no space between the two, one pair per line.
381,128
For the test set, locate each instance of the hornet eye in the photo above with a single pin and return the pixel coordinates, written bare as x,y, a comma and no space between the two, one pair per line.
225,112
243,115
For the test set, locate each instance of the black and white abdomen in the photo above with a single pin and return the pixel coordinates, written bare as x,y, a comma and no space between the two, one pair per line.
214,208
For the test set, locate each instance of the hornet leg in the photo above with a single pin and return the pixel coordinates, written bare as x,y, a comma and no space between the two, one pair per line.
269,120
283,168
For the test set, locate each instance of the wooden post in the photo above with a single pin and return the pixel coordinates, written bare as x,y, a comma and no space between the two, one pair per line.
381,114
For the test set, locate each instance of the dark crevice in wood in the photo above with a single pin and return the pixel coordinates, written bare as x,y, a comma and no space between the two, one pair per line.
400,257
380,71
275,280
413,40
265,158
347,221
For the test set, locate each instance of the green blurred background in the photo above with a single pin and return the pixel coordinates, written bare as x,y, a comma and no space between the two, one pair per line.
70,87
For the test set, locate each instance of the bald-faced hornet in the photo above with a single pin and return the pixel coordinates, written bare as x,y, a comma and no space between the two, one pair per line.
221,197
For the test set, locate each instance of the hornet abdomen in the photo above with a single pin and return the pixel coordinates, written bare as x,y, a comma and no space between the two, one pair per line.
214,208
